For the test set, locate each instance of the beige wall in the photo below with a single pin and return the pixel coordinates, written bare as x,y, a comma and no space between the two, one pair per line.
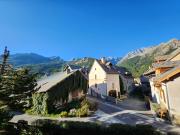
155,93
113,79
174,95
159,95
100,79
164,100
176,58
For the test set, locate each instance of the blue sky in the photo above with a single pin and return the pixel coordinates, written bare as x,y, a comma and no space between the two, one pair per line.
78,28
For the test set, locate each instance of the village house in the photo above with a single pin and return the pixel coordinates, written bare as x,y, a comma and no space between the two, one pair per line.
59,89
71,68
164,77
106,79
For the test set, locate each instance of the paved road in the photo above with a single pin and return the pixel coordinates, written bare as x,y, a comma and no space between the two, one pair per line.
109,111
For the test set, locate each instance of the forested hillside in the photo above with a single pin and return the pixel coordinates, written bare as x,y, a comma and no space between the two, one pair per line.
139,61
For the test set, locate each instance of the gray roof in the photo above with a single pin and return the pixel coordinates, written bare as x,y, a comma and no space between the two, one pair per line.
176,52
157,78
166,64
108,67
52,80
162,58
150,71
73,67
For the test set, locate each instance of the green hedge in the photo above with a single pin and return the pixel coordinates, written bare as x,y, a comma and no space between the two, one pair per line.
44,102
83,128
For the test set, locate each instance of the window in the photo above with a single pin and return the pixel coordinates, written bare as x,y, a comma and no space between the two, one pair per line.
113,86
95,85
95,68
95,77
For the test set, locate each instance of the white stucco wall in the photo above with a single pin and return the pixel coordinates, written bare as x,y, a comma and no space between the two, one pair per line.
113,79
174,95
165,103
100,80
155,93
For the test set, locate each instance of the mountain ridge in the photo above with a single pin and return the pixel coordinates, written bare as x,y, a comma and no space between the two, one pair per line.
139,61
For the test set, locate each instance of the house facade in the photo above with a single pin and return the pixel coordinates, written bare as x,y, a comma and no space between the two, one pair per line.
104,79
164,78
59,89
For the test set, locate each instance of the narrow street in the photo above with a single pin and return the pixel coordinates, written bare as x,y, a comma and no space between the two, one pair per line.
110,113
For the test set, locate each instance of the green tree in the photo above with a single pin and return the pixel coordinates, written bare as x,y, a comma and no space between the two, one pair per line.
16,85
121,86
23,86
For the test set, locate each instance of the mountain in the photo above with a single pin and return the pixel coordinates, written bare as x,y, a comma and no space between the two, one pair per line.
37,63
113,60
22,59
48,65
87,61
83,62
137,61
140,60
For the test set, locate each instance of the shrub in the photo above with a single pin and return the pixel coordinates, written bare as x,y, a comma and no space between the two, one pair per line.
87,128
84,128
73,104
83,111
4,118
72,113
63,114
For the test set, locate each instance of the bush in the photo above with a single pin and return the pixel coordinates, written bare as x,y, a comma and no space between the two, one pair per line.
72,109
73,104
87,128
4,118
72,113
63,114
83,111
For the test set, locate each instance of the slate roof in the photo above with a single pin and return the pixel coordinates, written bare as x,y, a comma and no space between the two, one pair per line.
108,68
176,52
150,71
52,80
73,67
162,58
166,64
167,74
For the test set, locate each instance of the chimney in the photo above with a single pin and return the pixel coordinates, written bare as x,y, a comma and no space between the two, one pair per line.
103,60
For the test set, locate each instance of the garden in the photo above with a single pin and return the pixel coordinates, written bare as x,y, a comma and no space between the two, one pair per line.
75,108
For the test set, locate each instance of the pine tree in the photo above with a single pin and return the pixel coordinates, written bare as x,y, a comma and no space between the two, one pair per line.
16,85
24,84
5,71
4,64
